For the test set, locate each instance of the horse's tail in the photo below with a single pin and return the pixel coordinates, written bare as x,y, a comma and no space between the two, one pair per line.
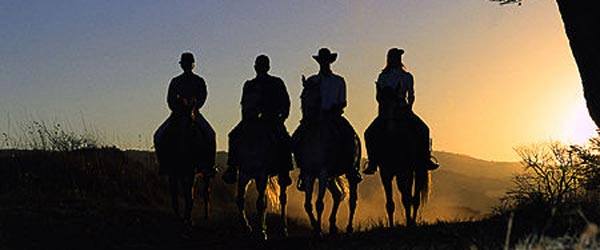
272,194
423,182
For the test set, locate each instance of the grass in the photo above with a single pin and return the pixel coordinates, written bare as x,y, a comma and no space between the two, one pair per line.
79,194
112,199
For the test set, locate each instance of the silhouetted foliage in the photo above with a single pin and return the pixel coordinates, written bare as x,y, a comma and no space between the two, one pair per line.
554,173
49,136
590,157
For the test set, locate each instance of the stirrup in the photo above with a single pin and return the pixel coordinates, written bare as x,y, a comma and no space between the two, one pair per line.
432,163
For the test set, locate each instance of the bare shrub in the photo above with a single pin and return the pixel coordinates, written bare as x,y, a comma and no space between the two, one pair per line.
49,136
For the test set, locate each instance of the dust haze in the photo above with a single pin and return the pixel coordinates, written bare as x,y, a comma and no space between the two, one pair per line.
463,188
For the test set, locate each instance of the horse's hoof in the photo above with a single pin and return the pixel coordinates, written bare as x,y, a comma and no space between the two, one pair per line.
246,228
317,234
284,233
260,235
333,230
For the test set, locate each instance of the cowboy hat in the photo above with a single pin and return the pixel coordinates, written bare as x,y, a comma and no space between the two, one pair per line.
325,55
187,57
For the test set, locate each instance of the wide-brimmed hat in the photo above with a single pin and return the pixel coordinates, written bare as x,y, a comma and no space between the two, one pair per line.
187,57
325,55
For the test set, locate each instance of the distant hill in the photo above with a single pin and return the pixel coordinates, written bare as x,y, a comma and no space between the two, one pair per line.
463,187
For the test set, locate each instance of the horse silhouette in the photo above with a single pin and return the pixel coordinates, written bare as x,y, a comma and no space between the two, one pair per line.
181,148
317,153
399,152
259,162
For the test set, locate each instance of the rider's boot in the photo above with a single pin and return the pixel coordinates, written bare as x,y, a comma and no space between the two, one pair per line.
431,163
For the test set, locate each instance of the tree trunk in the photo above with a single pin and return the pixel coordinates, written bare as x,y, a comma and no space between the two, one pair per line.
581,19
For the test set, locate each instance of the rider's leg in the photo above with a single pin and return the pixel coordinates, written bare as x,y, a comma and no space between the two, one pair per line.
284,150
370,143
423,142
233,163
349,140
295,146
208,163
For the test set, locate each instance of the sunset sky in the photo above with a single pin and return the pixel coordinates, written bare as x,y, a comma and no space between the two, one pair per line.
488,77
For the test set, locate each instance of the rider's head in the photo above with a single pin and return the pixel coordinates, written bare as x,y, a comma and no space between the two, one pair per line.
394,59
262,64
325,58
187,61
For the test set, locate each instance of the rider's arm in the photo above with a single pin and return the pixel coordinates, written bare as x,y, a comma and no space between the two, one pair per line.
342,94
285,101
341,103
202,94
378,96
410,92
172,101
247,111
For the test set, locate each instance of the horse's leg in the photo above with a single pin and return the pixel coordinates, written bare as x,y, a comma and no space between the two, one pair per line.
421,180
336,194
386,181
173,188
320,205
405,185
206,195
188,185
261,207
309,185
352,204
283,203
241,200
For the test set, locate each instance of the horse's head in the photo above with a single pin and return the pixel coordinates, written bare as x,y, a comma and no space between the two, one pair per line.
189,104
311,100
